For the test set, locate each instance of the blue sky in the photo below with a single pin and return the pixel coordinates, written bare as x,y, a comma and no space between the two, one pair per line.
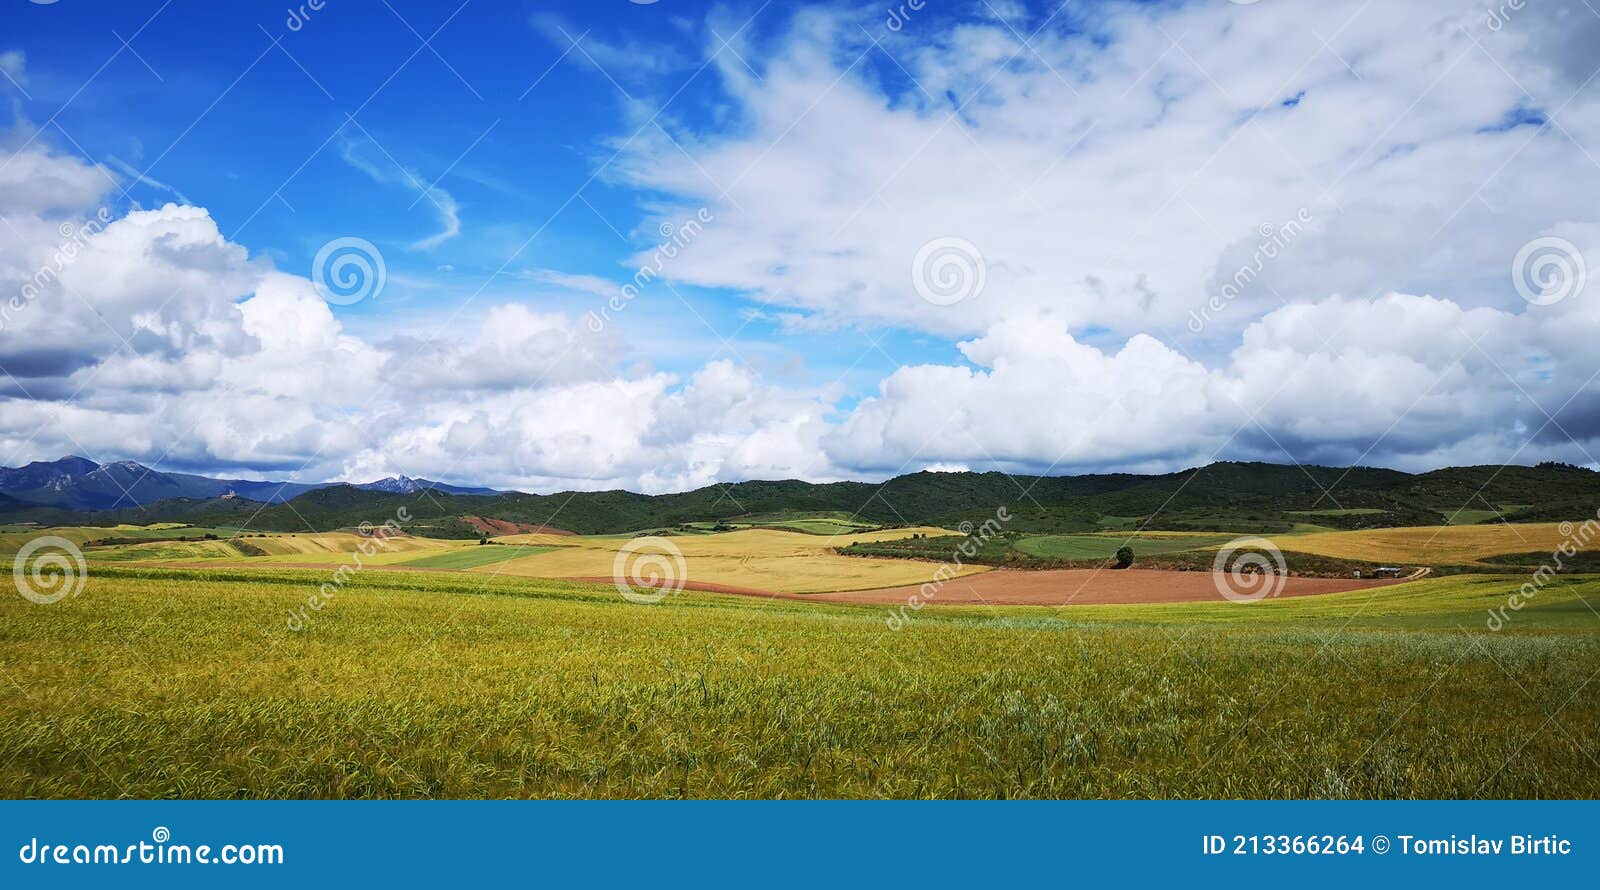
497,111
1033,237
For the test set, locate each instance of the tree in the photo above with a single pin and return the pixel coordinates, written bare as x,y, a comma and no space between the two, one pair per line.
484,539
1124,556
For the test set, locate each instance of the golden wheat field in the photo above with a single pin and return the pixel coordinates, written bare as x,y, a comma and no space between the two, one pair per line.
1432,545
761,559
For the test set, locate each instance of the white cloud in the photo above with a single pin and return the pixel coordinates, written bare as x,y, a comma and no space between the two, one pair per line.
391,172
14,66
1105,171
158,339
129,171
626,61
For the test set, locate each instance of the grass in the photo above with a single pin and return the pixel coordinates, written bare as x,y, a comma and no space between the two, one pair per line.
166,551
12,537
821,526
472,557
812,523
1470,517
1343,511
186,683
1105,546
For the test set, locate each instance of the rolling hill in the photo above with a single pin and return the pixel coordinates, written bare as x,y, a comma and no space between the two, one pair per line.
1243,497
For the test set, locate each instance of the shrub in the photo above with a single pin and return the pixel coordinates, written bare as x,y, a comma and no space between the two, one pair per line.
1124,556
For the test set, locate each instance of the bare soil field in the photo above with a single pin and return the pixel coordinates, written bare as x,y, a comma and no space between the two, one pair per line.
507,527
1001,587
1079,587
1086,587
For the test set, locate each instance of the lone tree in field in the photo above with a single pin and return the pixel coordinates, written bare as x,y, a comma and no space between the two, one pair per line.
1124,556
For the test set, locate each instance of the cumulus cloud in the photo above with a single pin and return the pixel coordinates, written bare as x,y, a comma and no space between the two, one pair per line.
1205,232
1108,167
1417,381
149,335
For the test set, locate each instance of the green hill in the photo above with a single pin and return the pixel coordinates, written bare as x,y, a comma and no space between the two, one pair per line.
1256,497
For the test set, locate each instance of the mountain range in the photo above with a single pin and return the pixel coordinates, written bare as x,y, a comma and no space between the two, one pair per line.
77,483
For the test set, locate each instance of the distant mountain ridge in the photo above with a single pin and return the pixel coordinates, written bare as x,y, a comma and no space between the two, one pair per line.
408,485
1247,497
77,483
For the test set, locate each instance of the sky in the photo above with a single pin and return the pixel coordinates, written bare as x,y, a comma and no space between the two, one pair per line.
654,246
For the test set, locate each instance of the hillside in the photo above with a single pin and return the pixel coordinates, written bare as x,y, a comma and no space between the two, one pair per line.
1253,497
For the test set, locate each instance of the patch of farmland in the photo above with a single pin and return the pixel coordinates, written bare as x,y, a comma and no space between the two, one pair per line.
758,559
1431,545
1105,546
1344,511
821,526
337,548
165,551
1473,517
474,556
13,537
539,539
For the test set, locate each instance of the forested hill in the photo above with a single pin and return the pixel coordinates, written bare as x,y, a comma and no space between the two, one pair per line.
1248,496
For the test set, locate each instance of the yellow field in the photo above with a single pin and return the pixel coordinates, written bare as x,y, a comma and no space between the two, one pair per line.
164,551
1435,545
1149,535
541,540
330,548
764,559
334,546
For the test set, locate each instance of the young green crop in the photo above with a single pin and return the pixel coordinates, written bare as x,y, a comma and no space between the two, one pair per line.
188,683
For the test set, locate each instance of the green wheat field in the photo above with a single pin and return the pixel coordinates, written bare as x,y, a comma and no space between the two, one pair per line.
187,683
